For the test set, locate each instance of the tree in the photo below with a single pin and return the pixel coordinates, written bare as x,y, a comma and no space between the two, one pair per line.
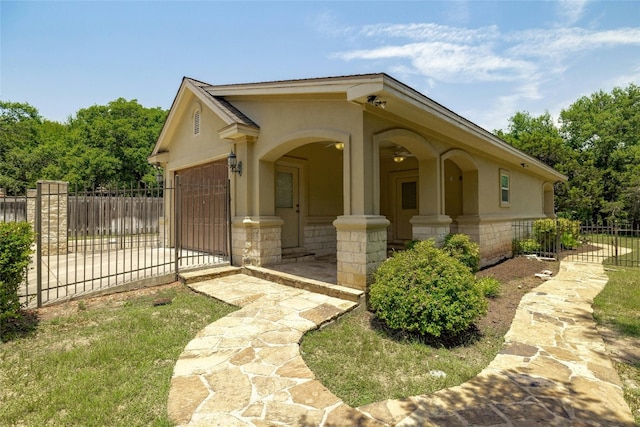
19,123
112,143
536,136
597,146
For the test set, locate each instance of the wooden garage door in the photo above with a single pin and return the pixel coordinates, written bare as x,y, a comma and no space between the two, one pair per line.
203,208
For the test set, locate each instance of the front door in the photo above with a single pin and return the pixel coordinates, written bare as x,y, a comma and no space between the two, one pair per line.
406,204
288,204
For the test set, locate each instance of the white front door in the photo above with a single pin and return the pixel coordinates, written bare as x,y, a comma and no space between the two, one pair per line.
288,204
406,206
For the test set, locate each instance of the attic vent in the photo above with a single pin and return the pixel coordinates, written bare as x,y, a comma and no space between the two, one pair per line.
196,123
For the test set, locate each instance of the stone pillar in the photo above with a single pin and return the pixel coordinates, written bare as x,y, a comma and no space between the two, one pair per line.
256,241
434,227
362,247
54,199
494,236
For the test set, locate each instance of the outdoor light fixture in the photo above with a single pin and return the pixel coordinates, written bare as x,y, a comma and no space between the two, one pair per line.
524,165
234,165
339,146
398,159
159,176
376,102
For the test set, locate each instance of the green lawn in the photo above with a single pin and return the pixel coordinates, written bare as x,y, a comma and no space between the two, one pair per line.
102,365
618,307
375,365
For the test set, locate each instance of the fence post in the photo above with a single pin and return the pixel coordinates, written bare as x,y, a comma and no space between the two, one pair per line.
229,224
176,224
615,240
38,229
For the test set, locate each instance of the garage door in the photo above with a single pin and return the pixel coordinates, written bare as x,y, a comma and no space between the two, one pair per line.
203,204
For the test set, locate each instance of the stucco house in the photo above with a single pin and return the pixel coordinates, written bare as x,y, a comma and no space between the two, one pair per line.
348,166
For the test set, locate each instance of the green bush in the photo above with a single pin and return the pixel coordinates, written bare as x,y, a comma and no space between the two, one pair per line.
549,233
569,233
460,247
423,290
15,253
525,246
546,233
489,286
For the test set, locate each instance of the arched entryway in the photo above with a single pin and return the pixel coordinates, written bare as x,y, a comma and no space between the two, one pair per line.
409,186
460,190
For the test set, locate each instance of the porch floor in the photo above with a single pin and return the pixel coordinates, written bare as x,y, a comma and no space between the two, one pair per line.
322,269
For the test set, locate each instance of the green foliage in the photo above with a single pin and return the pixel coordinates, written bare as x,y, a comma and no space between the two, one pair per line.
15,252
597,146
551,234
99,146
525,246
460,247
423,290
489,286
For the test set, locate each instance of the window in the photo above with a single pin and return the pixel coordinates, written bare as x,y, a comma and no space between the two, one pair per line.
196,122
505,188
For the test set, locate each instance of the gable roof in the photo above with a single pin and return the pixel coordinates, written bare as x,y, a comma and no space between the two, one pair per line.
401,100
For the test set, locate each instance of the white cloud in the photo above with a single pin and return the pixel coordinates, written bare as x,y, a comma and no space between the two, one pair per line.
430,31
563,42
571,11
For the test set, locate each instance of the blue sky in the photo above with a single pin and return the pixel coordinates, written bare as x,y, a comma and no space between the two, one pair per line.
486,60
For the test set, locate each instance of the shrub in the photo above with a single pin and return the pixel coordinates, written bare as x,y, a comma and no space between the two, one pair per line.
423,290
569,233
525,246
489,286
545,232
15,253
550,233
463,249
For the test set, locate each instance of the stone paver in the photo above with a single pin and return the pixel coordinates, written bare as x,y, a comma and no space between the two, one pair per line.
246,369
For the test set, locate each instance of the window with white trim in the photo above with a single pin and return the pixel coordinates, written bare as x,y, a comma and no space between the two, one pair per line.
505,188
196,122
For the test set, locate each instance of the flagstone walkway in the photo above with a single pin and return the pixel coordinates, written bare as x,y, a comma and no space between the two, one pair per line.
246,370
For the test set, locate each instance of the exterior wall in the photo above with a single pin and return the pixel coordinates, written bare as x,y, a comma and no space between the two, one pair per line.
495,242
320,239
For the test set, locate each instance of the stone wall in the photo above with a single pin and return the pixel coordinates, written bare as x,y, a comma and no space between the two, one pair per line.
257,241
495,242
361,248
320,239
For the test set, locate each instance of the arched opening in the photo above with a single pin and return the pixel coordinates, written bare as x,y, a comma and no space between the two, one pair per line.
407,181
459,186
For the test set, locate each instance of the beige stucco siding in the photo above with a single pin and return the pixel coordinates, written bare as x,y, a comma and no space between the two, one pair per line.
190,150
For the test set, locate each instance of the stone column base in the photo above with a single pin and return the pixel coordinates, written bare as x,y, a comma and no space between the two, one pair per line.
362,247
493,235
434,227
256,241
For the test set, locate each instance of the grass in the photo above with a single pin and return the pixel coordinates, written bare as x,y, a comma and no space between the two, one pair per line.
618,307
377,365
102,365
631,259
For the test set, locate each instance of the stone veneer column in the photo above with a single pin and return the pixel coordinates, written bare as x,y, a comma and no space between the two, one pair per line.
494,236
434,227
54,214
256,240
362,247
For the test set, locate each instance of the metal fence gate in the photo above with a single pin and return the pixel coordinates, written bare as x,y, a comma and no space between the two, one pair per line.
612,243
90,240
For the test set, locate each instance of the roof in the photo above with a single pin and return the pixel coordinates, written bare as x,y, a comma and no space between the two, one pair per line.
405,102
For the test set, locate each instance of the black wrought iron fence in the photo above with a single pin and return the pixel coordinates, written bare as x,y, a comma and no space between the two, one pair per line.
89,240
614,243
